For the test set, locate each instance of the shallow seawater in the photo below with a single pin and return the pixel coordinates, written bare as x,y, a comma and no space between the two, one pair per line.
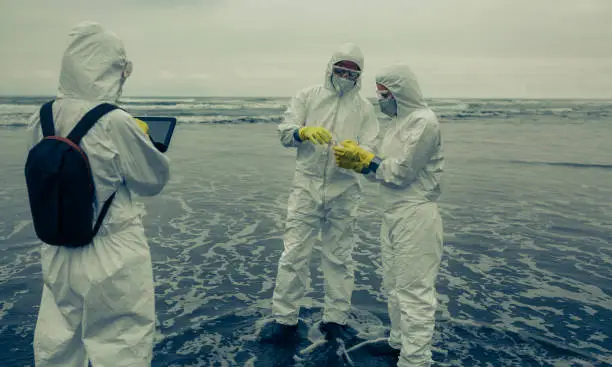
525,280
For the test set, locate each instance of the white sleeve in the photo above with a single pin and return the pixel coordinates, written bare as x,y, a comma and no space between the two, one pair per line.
293,118
368,136
419,140
144,169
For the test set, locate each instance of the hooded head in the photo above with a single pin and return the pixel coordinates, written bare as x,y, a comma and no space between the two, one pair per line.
350,54
94,66
403,85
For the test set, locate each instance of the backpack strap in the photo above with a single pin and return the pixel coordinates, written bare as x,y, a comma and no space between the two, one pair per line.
79,131
46,119
105,207
88,121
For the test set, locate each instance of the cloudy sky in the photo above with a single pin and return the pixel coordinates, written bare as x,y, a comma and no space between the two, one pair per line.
457,48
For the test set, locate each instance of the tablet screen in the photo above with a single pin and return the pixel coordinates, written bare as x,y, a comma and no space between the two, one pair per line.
160,128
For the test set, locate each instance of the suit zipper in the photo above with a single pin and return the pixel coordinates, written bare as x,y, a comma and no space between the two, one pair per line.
328,154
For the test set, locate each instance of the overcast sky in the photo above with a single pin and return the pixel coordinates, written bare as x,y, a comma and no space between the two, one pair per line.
457,48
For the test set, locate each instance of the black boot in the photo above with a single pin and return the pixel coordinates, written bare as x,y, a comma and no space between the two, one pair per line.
333,331
381,348
276,333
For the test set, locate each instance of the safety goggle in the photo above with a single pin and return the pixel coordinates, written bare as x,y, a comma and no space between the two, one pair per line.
384,94
346,72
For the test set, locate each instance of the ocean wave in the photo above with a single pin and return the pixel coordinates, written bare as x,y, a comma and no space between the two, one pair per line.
14,119
13,124
472,115
15,111
156,100
13,108
562,113
564,164
172,106
228,119
215,119
441,108
236,105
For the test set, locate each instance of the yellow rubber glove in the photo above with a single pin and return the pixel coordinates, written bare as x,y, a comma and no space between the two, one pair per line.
350,155
316,134
355,166
143,126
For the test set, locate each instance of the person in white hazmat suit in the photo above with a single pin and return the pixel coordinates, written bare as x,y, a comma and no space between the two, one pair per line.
324,198
408,164
98,300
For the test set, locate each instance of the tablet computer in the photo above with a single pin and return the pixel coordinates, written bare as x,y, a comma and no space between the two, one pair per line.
160,130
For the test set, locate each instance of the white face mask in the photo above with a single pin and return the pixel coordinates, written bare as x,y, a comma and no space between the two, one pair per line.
342,85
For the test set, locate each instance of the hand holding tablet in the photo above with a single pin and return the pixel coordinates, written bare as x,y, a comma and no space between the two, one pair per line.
160,130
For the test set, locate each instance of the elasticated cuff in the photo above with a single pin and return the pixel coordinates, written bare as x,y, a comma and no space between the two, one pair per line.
374,164
296,135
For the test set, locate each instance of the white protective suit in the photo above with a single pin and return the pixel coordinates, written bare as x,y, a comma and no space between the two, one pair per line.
411,231
98,300
324,197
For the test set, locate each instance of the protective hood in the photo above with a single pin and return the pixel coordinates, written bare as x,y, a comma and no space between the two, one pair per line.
349,52
402,83
93,64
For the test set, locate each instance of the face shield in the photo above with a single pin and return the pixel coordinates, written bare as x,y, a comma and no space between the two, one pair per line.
346,73
344,79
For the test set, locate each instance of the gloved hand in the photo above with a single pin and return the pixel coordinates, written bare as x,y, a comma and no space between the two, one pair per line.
143,125
355,166
350,155
145,128
316,134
